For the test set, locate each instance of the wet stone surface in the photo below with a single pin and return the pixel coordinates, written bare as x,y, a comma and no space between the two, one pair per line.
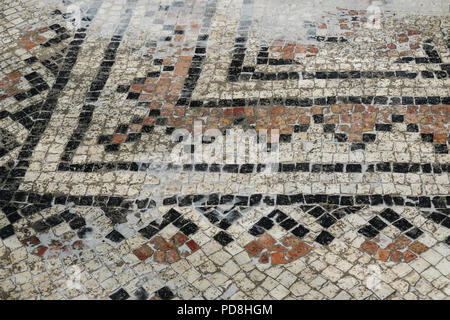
93,97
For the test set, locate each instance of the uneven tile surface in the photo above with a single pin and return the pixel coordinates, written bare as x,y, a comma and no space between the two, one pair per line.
115,125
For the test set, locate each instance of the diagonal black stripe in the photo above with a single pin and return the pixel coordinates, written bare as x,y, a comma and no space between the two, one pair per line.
13,177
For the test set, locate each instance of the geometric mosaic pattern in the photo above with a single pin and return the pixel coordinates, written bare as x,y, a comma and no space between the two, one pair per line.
92,206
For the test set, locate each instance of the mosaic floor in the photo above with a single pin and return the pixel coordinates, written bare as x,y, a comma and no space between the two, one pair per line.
95,96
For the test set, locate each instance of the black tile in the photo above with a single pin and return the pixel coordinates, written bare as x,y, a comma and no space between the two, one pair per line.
165,293
353,168
154,74
326,220
54,220
7,231
171,215
424,202
279,215
256,230
383,167
411,127
301,128
446,223
147,129
224,224
378,223
255,199
285,138
339,213
436,217
14,217
115,236
318,118
303,167
154,113
246,168
133,95
223,238
376,200
316,212
233,216
329,128
357,146
300,231
265,223
369,137
283,200
400,167
427,137
414,233
121,294
67,215
368,231
141,294
324,238
180,222
383,127
340,137
288,224
189,228
231,168
397,118
347,200
441,148
402,224
31,60
40,226
390,215
112,147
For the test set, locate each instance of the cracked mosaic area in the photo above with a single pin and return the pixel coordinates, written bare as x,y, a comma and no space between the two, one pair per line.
93,93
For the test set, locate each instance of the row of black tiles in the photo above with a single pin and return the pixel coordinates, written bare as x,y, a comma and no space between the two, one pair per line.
395,167
141,294
271,200
11,201
14,200
249,73
18,204
318,101
419,60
